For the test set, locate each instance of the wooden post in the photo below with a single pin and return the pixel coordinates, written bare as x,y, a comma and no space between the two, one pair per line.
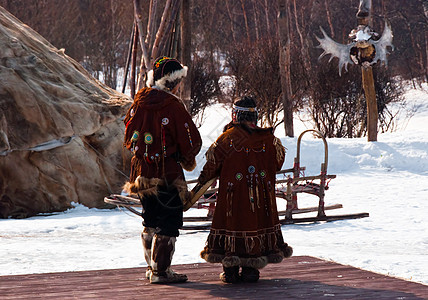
321,193
289,197
372,112
364,18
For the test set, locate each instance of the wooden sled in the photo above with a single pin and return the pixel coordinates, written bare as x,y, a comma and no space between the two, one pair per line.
294,184
124,201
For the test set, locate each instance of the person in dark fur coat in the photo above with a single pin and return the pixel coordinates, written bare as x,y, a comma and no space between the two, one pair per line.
245,231
164,140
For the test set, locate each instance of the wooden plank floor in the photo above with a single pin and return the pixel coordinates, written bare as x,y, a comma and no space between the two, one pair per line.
300,277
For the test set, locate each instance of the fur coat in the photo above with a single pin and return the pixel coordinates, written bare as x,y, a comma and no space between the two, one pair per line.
245,229
161,134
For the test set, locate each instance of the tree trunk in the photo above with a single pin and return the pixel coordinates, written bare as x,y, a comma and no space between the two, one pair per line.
128,60
247,29
186,46
167,35
139,21
285,63
111,72
175,47
303,43
256,21
330,24
267,17
162,36
232,21
134,60
426,44
151,26
145,58
167,20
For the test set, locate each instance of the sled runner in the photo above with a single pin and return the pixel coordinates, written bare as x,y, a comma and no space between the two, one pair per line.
287,189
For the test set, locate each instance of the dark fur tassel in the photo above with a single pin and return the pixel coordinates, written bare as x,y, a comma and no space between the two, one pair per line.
211,257
231,261
189,165
287,250
142,186
255,262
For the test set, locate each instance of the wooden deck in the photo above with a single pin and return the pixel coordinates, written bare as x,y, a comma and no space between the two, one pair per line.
300,277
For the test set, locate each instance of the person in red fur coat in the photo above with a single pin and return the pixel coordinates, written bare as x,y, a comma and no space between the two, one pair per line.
164,140
245,232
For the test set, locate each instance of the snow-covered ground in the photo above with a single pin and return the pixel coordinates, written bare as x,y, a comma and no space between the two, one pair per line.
387,178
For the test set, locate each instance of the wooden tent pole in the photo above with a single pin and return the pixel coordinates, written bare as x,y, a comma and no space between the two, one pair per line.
134,60
128,59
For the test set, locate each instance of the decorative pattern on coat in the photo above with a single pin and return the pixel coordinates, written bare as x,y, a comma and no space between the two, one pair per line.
265,239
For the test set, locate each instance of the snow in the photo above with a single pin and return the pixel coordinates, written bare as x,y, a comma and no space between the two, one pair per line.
387,178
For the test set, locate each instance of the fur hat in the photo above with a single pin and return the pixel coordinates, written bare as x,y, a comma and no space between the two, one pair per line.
245,109
166,71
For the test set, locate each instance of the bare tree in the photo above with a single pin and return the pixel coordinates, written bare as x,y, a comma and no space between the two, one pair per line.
186,47
285,66
244,13
163,33
258,76
97,33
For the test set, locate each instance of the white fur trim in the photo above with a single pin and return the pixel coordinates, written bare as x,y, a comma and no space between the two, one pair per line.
150,80
170,77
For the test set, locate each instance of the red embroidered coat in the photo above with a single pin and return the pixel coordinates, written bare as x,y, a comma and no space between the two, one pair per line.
162,136
245,228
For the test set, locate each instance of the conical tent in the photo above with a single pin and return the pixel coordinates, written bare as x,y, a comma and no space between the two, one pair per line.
60,128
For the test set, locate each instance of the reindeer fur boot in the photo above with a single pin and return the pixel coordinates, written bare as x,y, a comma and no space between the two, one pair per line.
162,251
230,274
249,274
147,239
